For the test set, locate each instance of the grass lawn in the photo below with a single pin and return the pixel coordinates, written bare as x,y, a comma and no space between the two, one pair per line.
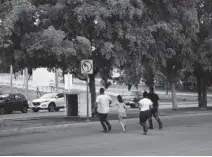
32,94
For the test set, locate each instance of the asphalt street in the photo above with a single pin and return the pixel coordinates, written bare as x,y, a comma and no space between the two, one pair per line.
181,135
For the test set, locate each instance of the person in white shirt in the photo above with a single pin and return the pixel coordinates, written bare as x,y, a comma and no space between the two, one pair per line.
103,102
145,106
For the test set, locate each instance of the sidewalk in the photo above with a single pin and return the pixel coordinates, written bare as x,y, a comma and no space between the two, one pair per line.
44,124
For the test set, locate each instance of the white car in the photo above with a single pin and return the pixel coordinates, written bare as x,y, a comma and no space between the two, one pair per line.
51,102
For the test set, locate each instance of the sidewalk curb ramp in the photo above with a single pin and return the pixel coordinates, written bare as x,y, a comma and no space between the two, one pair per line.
43,129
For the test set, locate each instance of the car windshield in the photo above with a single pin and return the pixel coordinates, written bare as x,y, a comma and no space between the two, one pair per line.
3,97
51,95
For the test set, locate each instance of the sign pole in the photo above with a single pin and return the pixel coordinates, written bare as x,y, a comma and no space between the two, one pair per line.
87,68
87,98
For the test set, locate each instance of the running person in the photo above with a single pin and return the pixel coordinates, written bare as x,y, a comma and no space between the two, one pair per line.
154,111
145,105
121,111
103,101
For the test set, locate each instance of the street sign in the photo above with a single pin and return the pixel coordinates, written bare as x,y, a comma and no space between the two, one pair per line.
87,66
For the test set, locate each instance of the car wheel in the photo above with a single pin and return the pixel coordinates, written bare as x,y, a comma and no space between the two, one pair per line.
35,110
3,111
10,111
24,109
51,107
57,109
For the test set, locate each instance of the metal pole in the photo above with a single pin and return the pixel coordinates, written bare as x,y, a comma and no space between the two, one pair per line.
56,79
68,80
87,99
11,78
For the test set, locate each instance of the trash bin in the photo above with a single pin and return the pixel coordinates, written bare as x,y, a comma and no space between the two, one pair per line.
72,104
76,104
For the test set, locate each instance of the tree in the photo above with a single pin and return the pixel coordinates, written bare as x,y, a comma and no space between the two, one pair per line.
93,24
17,19
202,49
174,27
131,35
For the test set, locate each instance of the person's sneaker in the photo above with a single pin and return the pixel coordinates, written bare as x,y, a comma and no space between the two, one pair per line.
124,129
104,131
109,128
160,125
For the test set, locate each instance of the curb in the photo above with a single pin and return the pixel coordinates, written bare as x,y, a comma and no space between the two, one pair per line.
40,129
43,129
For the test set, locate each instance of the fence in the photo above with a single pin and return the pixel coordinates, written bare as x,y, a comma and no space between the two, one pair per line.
19,83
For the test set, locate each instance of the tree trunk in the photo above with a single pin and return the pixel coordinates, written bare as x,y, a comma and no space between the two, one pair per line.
11,78
136,86
202,92
174,98
63,77
149,76
129,87
27,83
167,88
199,92
92,87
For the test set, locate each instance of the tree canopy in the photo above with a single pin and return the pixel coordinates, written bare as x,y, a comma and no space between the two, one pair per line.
139,37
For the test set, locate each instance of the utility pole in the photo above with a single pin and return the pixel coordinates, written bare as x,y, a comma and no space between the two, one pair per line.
56,79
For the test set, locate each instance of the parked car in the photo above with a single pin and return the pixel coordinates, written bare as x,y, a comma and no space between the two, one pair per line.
131,98
51,102
13,102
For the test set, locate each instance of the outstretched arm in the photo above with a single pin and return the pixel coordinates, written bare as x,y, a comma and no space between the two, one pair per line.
113,105
139,105
110,100
125,106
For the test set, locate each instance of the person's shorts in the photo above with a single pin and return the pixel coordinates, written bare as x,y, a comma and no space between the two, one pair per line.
154,111
144,115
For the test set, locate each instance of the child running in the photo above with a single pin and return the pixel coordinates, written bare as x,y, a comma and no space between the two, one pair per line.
121,111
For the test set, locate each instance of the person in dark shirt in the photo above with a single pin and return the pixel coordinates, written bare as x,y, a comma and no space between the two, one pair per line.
154,111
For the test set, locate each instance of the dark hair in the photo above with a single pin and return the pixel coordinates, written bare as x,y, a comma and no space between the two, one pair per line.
102,91
151,89
145,94
119,97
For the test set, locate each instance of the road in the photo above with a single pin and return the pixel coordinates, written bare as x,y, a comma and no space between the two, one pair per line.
30,114
184,135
